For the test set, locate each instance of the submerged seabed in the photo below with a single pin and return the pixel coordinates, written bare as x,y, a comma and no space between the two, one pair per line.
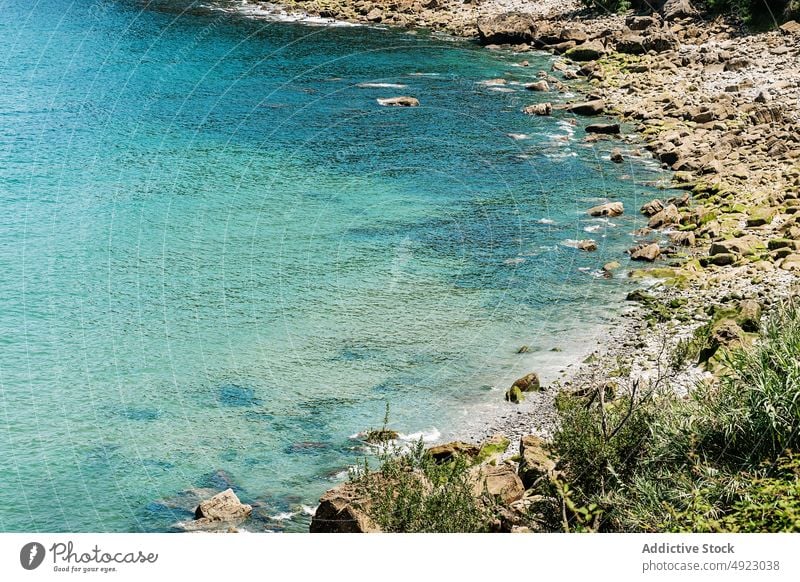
221,257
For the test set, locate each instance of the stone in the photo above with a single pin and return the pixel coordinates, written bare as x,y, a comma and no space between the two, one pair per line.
594,107
508,28
528,383
223,507
639,22
673,9
653,207
538,109
609,209
535,462
683,239
605,128
722,259
616,156
791,263
589,51
586,245
538,86
402,101
631,44
749,316
668,216
514,395
448,451
761,216
375,15
646,252
499,481
743,246
791,27
341,510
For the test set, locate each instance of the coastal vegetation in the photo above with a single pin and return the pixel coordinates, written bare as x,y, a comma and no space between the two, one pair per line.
638,458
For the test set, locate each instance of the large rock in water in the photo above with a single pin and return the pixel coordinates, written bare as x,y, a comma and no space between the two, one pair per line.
221,512
535,463
645,252
223,506
402,101
508,28
342,511
608,209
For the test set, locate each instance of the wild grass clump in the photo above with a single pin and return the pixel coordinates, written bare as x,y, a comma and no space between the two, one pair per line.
720,460
411,493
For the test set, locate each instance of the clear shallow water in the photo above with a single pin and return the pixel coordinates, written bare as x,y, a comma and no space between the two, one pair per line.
219,254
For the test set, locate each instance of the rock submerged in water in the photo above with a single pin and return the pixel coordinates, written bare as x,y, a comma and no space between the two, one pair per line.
609,209
221,512
402,101
538,109
603,128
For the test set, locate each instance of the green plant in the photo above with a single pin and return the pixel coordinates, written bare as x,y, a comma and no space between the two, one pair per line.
412,493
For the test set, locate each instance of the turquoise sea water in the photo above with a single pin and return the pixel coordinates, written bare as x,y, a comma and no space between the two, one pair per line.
218,253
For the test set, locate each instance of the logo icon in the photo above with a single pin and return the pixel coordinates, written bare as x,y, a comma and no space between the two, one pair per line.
31,555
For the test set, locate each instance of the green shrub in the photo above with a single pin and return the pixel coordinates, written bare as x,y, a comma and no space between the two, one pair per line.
412,493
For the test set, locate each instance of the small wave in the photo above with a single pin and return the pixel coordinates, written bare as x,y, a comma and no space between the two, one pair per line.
426,436
283,516
514,261
277,14
518,136
501,89
308,510
546,221
381,86
593,228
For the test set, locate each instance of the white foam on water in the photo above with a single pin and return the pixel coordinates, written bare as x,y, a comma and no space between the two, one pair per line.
546,221
514,261
518,136
430,436
381,86
308,510
593,228
276,13
284,516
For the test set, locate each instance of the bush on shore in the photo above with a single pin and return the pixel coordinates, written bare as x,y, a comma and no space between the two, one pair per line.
720,460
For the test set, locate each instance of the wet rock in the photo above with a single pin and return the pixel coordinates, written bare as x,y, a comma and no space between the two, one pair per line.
609,209
616,156
402,101
586,245
538,109
604,128
538,86
645,252
221,512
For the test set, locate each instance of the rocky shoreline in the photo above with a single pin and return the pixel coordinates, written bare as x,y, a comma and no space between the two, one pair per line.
714,103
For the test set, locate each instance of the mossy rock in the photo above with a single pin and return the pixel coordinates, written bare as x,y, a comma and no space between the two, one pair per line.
514,394
761,216
494,447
